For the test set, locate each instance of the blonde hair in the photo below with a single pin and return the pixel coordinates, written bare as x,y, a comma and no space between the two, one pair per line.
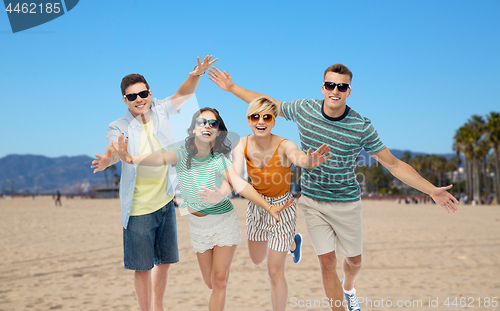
262,104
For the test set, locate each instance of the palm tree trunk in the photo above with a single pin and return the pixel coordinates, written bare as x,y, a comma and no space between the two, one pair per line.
496,152
476,182
486,178
106,176
458,173
468,183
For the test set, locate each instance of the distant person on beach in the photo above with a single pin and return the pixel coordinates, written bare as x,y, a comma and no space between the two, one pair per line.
58,198
214,228
146,194
269,160
331,196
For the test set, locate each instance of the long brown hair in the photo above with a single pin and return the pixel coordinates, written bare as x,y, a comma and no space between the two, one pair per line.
221,144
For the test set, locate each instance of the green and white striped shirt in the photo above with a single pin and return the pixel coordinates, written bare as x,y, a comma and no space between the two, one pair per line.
206,172
334,180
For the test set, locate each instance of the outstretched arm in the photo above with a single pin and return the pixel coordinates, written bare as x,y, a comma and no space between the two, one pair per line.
209,195
225,82
188,87
150,159
246,190
307,160
409,176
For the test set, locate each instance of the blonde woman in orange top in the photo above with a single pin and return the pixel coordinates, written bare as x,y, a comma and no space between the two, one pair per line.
269,160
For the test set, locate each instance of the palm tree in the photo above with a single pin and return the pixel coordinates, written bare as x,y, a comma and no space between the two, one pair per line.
493,136
476,127
406,157
482,150
417,162
112,169
453,165
463,145
437,165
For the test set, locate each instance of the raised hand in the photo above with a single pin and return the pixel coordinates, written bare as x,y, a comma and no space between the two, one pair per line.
202,66
209,195
318,157
442,197
275,210
222,79
104,161
121,149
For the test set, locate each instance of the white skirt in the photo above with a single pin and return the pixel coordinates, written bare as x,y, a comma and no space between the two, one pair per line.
214,230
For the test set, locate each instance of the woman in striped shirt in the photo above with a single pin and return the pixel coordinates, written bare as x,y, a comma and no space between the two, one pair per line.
214,227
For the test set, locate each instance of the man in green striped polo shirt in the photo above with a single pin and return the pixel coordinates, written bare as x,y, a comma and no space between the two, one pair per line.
331,200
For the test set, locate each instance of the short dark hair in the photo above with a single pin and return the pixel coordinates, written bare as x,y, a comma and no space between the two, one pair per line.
132,79
340,69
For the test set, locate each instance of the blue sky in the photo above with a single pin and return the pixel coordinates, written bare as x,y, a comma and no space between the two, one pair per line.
421,68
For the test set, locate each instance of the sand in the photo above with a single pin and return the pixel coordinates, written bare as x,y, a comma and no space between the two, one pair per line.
415,256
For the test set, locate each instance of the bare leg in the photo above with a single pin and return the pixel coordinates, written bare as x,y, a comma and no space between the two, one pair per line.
205,260
257,251
331,282
276,270
351,267
159,283
142,283
292,248
222,258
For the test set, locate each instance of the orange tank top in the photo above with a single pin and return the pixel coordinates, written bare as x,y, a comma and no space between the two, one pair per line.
274,179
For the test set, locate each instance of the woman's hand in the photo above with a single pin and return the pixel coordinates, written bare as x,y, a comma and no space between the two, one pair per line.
275,210
222,79
209,195
318,157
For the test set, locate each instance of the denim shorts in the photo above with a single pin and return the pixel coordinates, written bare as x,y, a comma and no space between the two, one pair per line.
151,239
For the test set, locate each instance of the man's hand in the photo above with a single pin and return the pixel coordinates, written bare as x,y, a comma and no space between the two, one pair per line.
104,161
444,198
318,157
222,79
202,67
121,149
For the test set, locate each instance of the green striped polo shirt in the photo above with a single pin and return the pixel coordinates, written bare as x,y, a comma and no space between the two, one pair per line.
206,172
334,180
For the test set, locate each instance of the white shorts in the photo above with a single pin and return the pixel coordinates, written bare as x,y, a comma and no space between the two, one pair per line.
333,226
214,230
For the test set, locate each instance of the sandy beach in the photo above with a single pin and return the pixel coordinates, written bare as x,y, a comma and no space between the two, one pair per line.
416,257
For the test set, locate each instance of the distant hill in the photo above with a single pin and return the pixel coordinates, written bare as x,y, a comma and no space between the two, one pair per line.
40,174
368,160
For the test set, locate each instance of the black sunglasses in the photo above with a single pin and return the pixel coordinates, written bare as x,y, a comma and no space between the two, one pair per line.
330,86
200,122
131,97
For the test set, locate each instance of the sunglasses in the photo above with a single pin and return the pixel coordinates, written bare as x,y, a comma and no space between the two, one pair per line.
266,117
132,97
330,86
200,122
